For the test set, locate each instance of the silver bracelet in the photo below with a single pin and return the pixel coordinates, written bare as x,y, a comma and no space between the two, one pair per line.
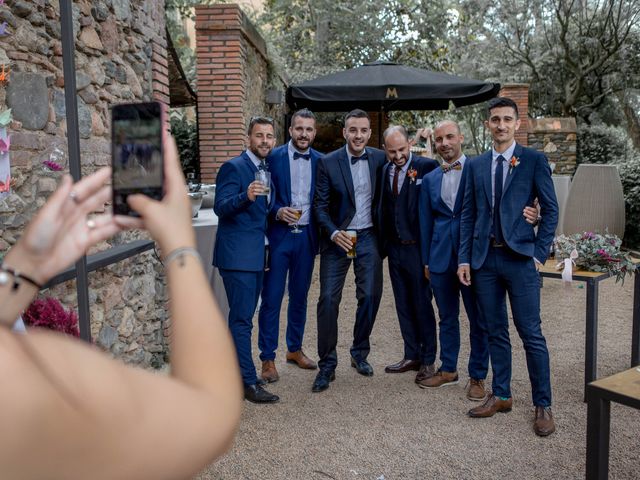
179,253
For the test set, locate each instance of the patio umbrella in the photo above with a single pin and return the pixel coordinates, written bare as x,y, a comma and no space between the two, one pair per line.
386,86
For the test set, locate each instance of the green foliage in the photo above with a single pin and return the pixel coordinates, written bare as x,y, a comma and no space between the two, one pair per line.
595,252
602,144
630,176
186,135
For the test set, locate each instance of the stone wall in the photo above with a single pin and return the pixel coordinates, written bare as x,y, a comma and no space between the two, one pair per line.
234,76
556,137
120,57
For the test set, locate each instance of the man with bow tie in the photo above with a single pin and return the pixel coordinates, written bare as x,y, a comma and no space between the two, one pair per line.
346,186
399,235
240,253
293,242
500,254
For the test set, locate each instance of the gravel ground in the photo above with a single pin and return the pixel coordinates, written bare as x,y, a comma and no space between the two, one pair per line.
385,427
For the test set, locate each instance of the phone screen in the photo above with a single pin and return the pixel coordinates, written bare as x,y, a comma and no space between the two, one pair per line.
137,164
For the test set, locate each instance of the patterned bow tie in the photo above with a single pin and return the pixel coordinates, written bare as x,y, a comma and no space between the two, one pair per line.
263,166
354,160
297,155
454,166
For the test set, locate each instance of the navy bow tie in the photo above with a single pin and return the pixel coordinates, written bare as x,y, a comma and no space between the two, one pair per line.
297,155
354,160
263,166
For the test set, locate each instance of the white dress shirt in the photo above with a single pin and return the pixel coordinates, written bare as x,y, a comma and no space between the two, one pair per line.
402,174
300,174
363,193
451,183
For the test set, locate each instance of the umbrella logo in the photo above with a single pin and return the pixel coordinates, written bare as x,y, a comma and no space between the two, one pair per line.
392,92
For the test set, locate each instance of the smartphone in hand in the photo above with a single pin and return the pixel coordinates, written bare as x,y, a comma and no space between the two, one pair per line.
136,153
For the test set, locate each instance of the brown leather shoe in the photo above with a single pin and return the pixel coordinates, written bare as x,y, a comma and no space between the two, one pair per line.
489,408
439,379
476,391
402,366
426,371
269,372
543,424
300,359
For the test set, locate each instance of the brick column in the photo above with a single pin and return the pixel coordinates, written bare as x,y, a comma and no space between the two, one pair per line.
155,33
221,52
519,93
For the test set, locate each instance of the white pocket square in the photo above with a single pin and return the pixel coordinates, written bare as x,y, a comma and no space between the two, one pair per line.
418,182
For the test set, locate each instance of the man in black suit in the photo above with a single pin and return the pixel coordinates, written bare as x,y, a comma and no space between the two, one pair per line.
346,186
399,233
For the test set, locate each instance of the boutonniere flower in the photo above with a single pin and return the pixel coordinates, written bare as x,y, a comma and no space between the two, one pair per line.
513,163
412,173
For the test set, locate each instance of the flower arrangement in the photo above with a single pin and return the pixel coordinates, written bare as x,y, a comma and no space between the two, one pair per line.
49,313
595,252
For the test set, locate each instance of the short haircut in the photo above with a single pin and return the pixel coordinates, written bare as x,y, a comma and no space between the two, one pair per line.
260,120
303,113
357,113
448,122
394,129
501,102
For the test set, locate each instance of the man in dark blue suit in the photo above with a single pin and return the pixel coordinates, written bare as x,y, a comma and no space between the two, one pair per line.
399,235
293,243
346,185
440,207
501,253
242,207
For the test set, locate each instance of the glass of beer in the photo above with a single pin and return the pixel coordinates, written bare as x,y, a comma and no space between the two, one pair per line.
298,214
264,178
354,239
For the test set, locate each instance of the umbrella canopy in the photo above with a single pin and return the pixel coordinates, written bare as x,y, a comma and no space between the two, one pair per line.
388,86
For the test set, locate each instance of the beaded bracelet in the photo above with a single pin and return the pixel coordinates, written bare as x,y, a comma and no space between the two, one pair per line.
180,253
17,278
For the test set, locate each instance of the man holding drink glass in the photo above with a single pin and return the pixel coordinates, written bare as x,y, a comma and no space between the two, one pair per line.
346,186
293,241
242,204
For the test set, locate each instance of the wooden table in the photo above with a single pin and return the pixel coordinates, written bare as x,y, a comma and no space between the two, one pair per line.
622,388
593,279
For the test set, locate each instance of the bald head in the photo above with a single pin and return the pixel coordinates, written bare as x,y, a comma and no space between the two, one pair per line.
448,140
396,144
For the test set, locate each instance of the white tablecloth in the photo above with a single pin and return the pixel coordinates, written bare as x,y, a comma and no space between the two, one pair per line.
206,227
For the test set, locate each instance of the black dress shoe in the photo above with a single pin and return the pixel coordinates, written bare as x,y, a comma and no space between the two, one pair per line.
256,394
402,366
322,380
362,367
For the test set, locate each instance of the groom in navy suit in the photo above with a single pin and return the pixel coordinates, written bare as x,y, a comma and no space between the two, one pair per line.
345,199
501,253
399,233
293,243
242,206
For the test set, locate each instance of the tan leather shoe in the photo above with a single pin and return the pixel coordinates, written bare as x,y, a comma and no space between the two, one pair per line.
300,359
269,372
426,371
476,391
489,408
543,424
439,379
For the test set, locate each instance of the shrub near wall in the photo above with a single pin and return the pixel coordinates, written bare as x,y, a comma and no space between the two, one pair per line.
602,144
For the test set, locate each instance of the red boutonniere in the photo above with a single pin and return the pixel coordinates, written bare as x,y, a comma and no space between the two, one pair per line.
513,163
412,173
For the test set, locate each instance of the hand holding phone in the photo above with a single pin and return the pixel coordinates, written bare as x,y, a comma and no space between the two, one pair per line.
137,154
